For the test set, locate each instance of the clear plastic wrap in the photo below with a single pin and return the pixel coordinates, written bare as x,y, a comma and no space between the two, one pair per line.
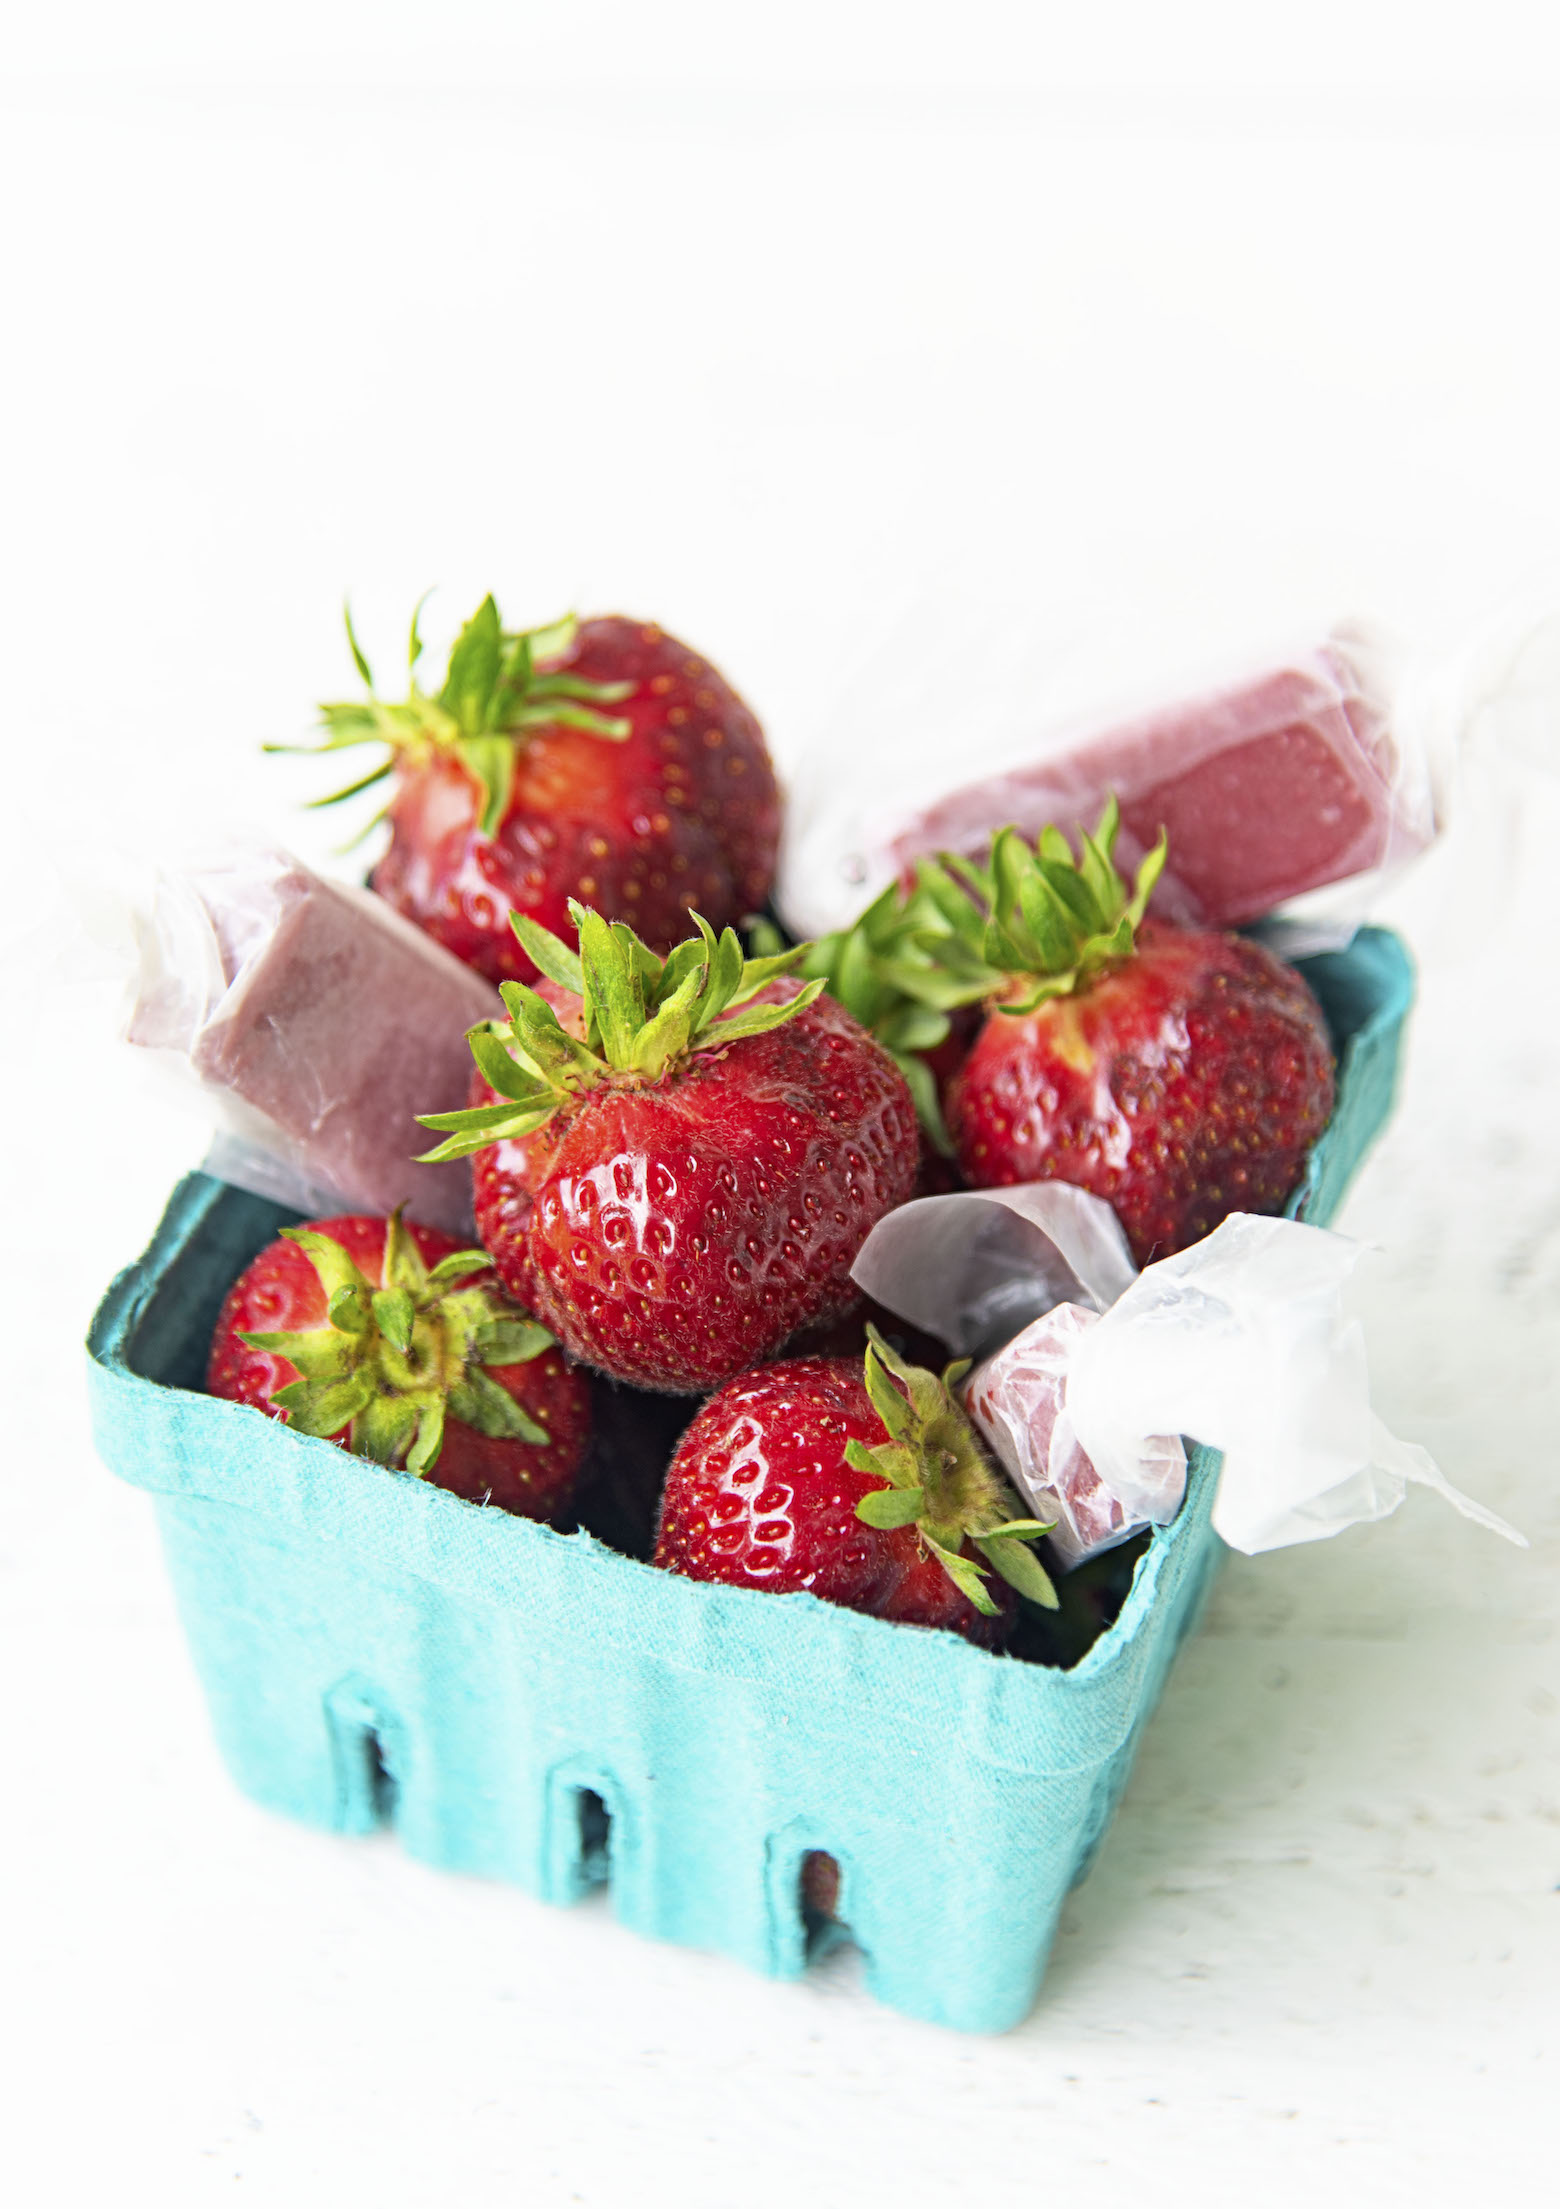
1018,1399
1241,1342
317,1024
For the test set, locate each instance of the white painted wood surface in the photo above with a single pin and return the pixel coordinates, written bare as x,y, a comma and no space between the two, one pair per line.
1187,343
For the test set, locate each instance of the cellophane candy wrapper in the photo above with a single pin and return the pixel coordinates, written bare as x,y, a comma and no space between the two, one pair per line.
1241,1342
1018,1399
317,1023
1272,782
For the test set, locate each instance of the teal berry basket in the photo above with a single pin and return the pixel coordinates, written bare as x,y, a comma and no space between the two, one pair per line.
540,1708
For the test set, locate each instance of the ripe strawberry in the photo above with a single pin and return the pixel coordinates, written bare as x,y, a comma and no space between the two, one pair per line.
1179,1073
673,1185
600,758
393,1341
864,1485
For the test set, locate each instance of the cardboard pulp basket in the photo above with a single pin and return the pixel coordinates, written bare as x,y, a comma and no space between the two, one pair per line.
540,1708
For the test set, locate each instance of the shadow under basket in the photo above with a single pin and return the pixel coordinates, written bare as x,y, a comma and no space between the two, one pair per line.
539,1708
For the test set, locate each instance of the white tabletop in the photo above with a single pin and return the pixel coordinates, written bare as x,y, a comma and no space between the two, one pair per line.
1175,361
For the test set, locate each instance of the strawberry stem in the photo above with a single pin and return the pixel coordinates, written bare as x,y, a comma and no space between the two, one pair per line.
1033,910
641,1015
498,689
391,1360
941,1480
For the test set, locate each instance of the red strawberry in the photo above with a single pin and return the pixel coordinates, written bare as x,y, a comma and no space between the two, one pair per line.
864,1486
392,1340
673,1185
1180,1074
599,758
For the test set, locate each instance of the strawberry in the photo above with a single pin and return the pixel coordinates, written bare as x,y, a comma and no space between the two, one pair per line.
879,970
596,758
864,1484
392,1340
673,1184
1181,1074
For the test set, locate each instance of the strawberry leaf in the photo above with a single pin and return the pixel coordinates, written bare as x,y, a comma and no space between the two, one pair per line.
414,642
490,761
320,1354
509,1123
499,1071
403,1262
485,1404
493,1118
358,660
966,1576
760,1019
887,1401
890,1507
324,1408
548,954
383,1428
394,1314
667,1034
922,1084
889,1461
1020,1568
458,1265
614,1006
424,1453
338,797
330,1262
471,680
348,1309
511,1341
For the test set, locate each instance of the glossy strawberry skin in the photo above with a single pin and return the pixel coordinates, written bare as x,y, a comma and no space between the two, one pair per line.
280,1292
1186,1084
674,1232
759,1495
684,812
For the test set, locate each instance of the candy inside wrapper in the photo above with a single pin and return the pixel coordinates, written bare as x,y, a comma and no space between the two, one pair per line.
1241,1342
1018,1399
318,1023
1274,783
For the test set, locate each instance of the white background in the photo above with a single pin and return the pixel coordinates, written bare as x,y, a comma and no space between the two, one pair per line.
791,328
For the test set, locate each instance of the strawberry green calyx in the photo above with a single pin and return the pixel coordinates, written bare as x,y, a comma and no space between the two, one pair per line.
1036,911
941,1481
641,1014
497,688
880,971
390,1363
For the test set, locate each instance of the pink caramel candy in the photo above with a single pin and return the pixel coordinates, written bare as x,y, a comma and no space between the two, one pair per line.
1018,1399
1271,787
322,1022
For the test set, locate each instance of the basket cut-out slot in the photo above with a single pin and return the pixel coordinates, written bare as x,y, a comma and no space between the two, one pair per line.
595,1839
819,1888
363,1751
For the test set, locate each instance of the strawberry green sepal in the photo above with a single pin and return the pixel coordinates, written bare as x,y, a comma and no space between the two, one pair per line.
1034,911
390,1364
880,971
497,688
941,1481
642,1014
